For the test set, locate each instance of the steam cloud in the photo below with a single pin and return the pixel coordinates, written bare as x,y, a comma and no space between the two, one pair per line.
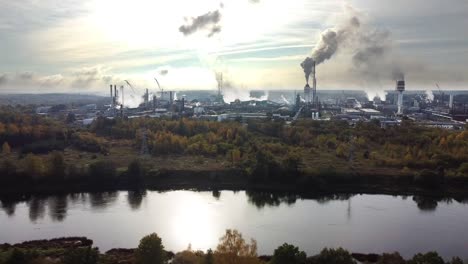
209,21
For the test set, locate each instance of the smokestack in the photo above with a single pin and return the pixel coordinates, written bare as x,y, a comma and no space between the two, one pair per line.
115,94
171,97
314,85
451,101
400,87
122,91
111,97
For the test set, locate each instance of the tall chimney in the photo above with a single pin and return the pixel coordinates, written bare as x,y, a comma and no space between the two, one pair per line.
314,87
115,92
122,91
111,97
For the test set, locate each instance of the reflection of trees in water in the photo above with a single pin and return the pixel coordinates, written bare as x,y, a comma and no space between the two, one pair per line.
333,197
37,206
9,206
101,200
135,198
216,194
58,206
429,204
261,199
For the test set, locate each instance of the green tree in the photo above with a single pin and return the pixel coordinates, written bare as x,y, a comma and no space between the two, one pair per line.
288,254
150,250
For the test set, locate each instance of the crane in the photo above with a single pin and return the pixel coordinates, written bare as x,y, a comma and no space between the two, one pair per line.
131,86
160,88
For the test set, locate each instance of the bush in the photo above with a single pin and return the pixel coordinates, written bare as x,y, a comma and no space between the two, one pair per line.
150,250
86,255
288,254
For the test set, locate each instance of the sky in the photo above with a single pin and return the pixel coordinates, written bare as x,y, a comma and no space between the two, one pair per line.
85,45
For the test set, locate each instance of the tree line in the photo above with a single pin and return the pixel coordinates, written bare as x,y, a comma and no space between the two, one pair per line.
231,249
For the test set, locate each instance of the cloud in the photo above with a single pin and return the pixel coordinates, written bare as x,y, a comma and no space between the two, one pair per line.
209,21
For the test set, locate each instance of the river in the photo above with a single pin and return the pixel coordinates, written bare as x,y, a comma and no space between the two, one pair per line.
359,223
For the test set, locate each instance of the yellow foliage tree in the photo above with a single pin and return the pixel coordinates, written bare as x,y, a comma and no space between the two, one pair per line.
233,249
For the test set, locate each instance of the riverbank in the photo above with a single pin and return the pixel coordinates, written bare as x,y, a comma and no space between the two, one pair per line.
235,179
80,250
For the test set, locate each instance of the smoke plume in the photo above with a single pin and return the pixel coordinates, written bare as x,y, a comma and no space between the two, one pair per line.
370,48
164,72
209,21
307,65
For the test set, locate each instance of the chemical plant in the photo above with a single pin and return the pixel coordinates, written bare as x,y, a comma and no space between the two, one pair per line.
435,108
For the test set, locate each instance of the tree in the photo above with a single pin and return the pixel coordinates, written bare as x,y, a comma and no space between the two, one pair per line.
233,249
34,166
135,169
188,257
208,259
150,250
288,254
393,258
6,148
57,165
292,164
428,258
334,256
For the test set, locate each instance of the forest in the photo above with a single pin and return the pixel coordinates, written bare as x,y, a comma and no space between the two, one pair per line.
39,149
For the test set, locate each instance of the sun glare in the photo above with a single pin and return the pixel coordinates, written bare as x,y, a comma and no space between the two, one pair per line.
194,222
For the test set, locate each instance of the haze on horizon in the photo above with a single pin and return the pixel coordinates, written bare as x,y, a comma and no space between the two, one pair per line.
83,46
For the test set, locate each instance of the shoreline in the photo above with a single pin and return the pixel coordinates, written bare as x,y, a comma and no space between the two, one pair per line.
236,181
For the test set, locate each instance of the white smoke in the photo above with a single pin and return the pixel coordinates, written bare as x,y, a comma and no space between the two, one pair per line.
371,94
429,96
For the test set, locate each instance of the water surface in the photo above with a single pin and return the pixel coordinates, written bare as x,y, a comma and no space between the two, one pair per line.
360,223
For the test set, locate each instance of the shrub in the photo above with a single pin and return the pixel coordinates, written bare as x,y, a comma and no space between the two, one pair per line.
150,250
